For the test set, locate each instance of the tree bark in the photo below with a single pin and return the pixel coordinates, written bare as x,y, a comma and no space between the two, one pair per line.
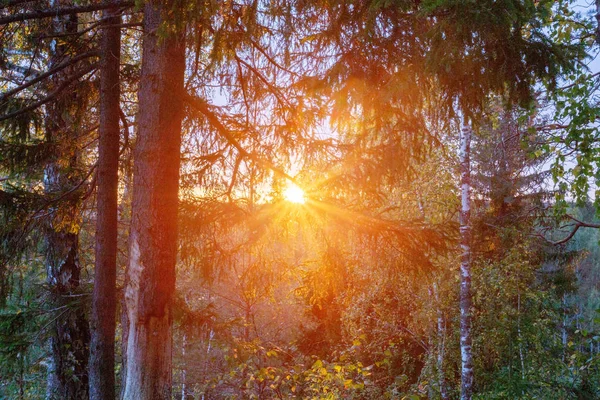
69,340
104,300
153,236
441,338
466,389
184,364
62,9
125,215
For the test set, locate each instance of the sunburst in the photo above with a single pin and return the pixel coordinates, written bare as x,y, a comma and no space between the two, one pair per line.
294,194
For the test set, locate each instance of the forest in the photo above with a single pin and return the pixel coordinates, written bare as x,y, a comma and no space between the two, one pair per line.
299,199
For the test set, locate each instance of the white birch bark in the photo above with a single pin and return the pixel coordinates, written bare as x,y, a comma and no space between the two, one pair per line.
520,337
564,327
441,332
466,389
184,368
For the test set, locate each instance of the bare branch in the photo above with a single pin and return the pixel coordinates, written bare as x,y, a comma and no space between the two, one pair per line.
551,127
578,224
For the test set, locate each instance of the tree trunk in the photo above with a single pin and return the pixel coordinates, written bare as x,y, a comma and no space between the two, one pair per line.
70,332
563,327
441,338
153,236
125,217
124,340
520,336
104,301
184,363
466,389
69,339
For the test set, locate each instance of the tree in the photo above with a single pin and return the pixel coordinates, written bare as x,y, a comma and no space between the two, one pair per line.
466,389
153,235
104,300
68,377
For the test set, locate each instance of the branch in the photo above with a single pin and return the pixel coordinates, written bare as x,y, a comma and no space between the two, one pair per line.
269,58
51,96
12,3
57,12
54,70
238,161
97,25
76,187
575,83
35,214
201,106
578,224
123,119
550,127
260,76
23,71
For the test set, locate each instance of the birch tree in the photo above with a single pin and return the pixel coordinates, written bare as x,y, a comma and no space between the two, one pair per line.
466,391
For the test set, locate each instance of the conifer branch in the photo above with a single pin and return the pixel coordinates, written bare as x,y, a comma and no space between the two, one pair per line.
202,107
43,76
236,168
258,47
70,191
13,3
261,77
51,96
98,25
24,72
57,12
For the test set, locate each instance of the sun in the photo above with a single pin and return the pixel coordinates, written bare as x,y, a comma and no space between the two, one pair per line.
294,194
